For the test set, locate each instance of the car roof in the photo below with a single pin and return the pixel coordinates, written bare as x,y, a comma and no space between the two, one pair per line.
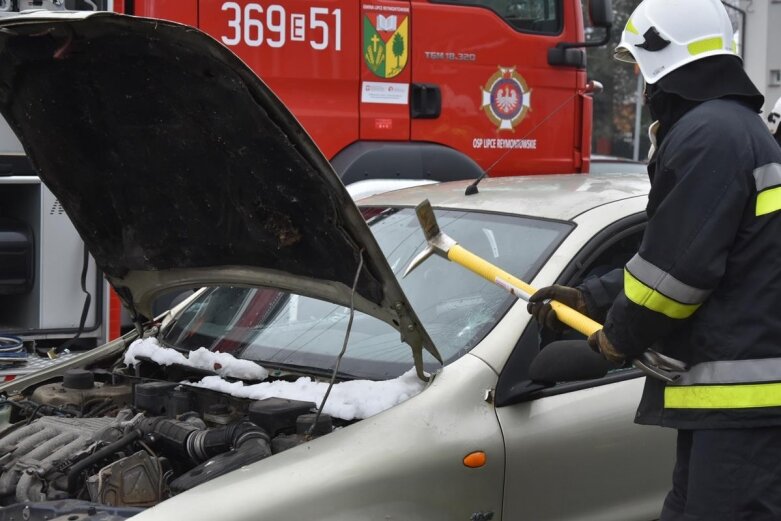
612,159
601,164
549,196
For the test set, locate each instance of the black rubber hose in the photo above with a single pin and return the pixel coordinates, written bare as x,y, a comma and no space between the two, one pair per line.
249,451
205,444
200,444
108,450
170,434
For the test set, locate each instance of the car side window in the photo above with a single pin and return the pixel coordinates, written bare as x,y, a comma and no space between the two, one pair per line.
609,250
613,256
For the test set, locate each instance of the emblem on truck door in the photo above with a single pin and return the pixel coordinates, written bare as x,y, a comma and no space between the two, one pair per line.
506,99
385,42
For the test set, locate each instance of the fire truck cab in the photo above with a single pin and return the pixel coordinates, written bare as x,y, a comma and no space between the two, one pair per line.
424,89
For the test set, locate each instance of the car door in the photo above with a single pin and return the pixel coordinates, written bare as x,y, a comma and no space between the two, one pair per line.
573,451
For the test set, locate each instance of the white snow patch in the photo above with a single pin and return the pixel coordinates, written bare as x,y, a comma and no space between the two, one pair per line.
224,364
355,399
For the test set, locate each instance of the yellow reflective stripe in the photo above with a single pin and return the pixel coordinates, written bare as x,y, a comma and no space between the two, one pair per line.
768,201
745,396
630,28
645,296
705,45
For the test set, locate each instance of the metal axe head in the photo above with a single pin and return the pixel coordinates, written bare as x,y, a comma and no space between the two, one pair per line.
437,242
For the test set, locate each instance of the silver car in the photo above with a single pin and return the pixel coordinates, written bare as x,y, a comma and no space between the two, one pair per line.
180,169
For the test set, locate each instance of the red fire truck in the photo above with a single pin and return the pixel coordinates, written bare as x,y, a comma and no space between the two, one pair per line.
429,89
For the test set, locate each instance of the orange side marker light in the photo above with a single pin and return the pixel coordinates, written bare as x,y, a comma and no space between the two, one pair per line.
475,459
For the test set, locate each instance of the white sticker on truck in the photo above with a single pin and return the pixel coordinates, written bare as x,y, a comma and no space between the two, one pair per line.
384,92
255,25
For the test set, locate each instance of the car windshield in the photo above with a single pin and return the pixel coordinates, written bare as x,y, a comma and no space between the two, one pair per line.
289,331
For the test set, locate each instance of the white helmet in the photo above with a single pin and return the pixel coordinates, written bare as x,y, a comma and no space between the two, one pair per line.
664,35
774,118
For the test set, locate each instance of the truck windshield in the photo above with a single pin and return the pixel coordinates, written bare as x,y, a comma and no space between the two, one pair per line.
280,329
530,16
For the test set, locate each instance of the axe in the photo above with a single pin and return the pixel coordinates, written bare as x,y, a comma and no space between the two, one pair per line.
652,363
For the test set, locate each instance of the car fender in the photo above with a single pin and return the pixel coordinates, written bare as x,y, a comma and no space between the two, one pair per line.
405,463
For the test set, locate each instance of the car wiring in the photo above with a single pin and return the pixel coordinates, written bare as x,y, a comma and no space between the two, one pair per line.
344,344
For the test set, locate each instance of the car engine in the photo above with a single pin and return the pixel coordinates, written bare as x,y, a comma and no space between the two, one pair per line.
103,445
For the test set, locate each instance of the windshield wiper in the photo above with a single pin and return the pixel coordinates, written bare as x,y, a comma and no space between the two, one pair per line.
305,370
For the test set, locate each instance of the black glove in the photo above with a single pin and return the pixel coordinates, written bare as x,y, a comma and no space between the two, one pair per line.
602,345
542,310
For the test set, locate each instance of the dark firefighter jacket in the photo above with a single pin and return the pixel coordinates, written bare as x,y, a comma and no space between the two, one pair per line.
705,287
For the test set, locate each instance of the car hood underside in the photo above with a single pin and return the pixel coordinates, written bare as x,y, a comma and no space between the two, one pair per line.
180,168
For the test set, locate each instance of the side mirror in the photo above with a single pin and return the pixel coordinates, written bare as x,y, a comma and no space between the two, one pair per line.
568,54
601,13
568,361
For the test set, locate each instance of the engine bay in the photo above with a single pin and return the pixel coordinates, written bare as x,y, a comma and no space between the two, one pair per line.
106,444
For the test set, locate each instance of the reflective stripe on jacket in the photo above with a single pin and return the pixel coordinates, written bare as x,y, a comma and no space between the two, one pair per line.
732,384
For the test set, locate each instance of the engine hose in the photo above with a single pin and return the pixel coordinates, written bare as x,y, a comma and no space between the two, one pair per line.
205,444
201,444
76,470
170,434
249,450
216,451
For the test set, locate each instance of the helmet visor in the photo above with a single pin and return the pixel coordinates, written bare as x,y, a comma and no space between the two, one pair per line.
623,54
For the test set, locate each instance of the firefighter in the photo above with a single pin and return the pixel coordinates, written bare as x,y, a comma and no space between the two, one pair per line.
705,286
774,121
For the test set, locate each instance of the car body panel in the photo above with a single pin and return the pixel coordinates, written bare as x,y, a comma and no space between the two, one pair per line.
552,197
405,463
580,456
241,194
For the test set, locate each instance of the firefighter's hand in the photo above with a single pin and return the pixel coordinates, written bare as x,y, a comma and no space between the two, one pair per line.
602,345
539,305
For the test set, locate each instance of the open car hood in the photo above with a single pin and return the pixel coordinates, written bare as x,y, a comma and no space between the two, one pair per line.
180,168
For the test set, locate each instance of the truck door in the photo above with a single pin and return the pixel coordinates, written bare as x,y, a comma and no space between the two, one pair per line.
501,102
386,51
306,51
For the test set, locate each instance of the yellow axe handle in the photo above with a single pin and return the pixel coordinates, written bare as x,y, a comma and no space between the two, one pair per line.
498,276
